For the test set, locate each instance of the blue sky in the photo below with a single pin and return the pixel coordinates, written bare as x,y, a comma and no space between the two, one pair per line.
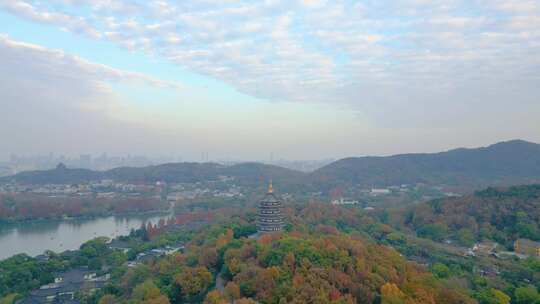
304,79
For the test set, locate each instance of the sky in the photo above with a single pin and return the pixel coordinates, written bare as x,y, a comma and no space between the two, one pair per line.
301,79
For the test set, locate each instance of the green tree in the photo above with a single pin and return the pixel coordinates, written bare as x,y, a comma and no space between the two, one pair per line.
95,248
116,258
527,295
435,232
244,231
440,270
148,293
465,237
492,296
146,290
9,299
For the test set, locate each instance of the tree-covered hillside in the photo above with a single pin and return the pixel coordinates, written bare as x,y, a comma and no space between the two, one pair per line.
500,214
246,173
328,254
512,162
506,163
314,261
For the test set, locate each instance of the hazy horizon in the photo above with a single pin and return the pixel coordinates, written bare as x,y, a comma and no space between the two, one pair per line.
203,158
305,79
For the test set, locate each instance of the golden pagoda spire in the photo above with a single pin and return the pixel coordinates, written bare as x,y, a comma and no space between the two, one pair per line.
270,188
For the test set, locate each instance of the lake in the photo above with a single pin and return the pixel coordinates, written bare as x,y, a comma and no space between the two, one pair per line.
34,238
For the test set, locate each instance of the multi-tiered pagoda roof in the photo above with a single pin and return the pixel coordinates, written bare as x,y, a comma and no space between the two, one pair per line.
269,218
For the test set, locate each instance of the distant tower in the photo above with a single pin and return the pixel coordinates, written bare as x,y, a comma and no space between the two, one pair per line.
269,218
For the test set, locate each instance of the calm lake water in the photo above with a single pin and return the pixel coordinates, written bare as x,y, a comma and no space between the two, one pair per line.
34,238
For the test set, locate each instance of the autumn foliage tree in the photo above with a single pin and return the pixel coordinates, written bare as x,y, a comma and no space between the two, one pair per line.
194,280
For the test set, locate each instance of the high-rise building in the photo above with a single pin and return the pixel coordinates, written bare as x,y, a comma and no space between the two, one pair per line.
85,161
269,218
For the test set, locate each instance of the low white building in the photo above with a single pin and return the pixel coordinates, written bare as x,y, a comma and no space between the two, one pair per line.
341,201
380,191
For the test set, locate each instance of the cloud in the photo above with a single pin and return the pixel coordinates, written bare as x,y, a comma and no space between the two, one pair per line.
53,101
313,3
70,23
359,54
62,65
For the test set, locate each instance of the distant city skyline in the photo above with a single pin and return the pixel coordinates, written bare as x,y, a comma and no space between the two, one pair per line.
19,163
204,157
207,157
307,79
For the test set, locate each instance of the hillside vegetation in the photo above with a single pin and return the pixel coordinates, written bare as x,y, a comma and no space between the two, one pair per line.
512,162
328,254
247,173
31,207
309,263
506,163
500,214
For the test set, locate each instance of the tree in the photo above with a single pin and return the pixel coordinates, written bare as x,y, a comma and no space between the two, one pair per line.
440,270
159,300
108,299
95,248
232,291
194,280
9,299
148,293
208,258
391,294
214,297
245,301
500,297
94,264
435,232
289,261
492,296
116,258
526,295
244,231
465,237
133,277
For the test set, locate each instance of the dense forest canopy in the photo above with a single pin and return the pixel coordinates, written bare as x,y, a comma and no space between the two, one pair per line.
311,263
31,206
512,162
499,214
328,254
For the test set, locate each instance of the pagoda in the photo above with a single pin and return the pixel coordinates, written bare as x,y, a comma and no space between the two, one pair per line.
269,217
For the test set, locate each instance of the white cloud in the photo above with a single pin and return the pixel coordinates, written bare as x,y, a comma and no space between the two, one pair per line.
515,6
71,23
325,51
53,101
313,3
458,22
79,67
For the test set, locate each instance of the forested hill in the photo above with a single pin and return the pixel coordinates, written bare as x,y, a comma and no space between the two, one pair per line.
499,214
173,172
59,175
505,163
247,173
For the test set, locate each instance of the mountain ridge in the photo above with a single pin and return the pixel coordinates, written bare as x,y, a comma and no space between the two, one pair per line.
170,172
508,162
503,163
